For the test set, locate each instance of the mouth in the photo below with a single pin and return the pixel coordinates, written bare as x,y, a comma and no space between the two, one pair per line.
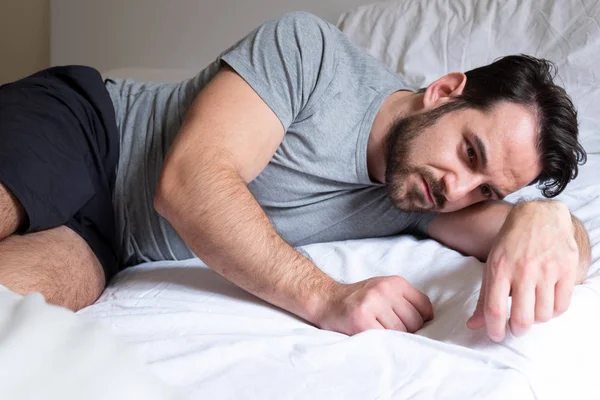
427,192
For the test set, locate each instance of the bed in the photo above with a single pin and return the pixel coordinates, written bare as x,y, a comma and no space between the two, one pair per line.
209,339
206,336
201,333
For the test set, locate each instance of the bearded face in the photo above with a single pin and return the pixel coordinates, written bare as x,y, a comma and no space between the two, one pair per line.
413,187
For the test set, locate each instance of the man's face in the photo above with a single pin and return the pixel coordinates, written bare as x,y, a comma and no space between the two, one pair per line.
447,161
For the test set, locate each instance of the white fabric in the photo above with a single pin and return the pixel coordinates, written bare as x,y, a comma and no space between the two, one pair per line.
49,353
423,40
214,340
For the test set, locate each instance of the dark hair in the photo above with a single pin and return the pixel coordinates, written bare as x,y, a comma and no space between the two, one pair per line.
528,81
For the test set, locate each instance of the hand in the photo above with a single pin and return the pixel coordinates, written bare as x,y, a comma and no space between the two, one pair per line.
387,302
535,260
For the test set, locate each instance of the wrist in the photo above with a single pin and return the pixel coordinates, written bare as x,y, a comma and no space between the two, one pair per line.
542,203
556,209
318,300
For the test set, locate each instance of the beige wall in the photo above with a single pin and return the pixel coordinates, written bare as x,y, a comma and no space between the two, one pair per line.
24,38
109,34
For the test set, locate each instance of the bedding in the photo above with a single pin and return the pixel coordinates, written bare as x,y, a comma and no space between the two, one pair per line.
424,40
47,352
213,340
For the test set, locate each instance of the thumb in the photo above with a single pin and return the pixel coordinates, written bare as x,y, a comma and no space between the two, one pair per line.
477,320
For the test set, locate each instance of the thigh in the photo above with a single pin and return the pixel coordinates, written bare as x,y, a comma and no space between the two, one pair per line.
56,262
12,213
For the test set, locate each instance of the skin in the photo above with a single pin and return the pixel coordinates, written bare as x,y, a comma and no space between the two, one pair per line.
211,208
56,262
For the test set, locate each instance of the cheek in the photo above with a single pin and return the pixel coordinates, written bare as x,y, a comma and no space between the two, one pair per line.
435,148
420,151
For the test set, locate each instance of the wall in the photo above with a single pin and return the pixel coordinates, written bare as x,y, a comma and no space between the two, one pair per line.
24,38
164,34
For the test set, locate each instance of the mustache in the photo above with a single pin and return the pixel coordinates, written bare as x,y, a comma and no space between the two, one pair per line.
437,189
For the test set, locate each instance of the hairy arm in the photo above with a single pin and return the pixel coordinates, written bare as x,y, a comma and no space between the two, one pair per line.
227,139
473,230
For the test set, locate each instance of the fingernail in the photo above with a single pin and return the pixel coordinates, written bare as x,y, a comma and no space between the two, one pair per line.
517,331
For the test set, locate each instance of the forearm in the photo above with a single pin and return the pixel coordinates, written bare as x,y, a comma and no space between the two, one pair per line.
220,220
473,230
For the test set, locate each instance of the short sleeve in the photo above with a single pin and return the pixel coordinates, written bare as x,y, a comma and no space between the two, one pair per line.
420,226
288,62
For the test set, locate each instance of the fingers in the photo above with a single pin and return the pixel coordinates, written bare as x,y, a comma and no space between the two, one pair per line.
398,305
531,303
409,315
477,320
390,320
407,308
495,306
544,301
420,302
523,307
563,291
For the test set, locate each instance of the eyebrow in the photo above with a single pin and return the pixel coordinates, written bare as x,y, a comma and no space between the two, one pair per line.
484,161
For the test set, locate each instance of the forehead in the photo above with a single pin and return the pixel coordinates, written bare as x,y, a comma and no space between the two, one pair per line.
510,134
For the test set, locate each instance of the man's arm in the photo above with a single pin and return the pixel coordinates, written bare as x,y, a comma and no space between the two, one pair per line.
227,139
202,192
473,231
536,253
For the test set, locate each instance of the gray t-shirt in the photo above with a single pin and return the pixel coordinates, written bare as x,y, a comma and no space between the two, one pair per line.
325,91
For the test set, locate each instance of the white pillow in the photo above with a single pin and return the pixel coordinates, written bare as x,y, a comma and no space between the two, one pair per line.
48,352
423,40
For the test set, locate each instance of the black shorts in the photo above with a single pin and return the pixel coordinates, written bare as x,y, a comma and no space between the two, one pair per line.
59,148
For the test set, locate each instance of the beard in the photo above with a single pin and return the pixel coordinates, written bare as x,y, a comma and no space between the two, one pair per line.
398,147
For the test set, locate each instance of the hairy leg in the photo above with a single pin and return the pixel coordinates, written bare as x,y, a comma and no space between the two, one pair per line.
12,214
56,262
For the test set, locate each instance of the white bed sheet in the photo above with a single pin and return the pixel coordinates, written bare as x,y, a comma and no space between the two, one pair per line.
212,339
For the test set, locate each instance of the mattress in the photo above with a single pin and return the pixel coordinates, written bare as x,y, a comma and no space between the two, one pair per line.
213,340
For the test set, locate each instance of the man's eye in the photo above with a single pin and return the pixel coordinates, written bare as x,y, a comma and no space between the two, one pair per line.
486,191
471,154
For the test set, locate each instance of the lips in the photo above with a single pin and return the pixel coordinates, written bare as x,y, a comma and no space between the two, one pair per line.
428,192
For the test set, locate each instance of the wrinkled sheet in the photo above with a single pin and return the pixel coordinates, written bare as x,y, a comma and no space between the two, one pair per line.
212,339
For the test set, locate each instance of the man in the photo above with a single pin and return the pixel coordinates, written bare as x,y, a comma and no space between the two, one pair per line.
293,136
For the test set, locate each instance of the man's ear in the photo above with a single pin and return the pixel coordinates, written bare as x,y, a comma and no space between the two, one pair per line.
444,89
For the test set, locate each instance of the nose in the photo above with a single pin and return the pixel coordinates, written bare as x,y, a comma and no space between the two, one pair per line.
460,185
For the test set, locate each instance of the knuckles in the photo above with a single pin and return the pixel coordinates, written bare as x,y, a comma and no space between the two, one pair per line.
521,323
494,311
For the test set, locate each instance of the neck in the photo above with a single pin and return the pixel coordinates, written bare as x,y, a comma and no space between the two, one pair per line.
398,105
